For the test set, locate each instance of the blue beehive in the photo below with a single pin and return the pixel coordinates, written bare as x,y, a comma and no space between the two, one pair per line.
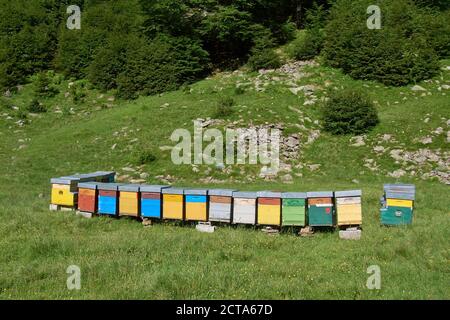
108,198
151,201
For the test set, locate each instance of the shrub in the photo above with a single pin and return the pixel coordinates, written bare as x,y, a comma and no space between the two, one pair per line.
110,61
264,59
224,107
5,103
164,64
397,54
349,112
36,107
145,157
307,46
44,87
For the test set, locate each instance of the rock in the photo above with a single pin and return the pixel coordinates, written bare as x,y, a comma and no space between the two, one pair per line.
295,90
309,103
448,136
386,137
138,181
144,175
438,131
379,149
445,86
355,181
350,234
314,167
397,173
426,140
41,195
396,154
287,178
114,146
123,178
128,169
358,141
111,99
426,120
418,88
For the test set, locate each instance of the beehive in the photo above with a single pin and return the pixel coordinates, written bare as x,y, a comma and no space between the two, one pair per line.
173,203
129,203
108,198
293,209
196,204
269,208
88,197
397,204
64,191
348,207
220,205
244,207
320,209
151,201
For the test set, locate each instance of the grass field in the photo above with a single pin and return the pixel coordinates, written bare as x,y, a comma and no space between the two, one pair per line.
121,259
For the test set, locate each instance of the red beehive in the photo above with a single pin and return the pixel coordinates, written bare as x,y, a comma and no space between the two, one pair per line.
87,197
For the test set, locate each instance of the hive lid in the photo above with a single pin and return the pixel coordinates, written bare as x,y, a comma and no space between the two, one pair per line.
152,188
88,185
293,195
64,180
173,191
320,194
200,192
221,192
405,188
245,194
109,186
269,194
348,193
130,187
400,195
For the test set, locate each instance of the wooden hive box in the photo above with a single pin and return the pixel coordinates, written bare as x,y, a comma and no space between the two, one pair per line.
104,176
244,207
196,204
88,197
397,204
108,198
320,209
129,204
294,209
173,203
220,205
269,208
348,207
151,201
64,191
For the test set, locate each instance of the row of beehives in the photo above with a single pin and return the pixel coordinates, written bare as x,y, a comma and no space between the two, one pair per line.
220,205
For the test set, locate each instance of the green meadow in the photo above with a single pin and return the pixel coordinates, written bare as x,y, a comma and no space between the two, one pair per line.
121,259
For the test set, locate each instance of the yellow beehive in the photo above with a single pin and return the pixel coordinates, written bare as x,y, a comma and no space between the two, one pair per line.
62,195
269,208
129,200
196,204
173,206
348,207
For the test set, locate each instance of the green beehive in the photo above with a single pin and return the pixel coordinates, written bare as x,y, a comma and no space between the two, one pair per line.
293,209
397,204
320,209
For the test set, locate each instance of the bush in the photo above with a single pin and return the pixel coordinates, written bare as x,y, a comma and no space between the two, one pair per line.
36,107
349,112
145,157
307,46
264,59
224,107
43,86
398,54
110,61
164,64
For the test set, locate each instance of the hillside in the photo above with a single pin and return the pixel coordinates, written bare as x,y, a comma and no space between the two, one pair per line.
120,258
